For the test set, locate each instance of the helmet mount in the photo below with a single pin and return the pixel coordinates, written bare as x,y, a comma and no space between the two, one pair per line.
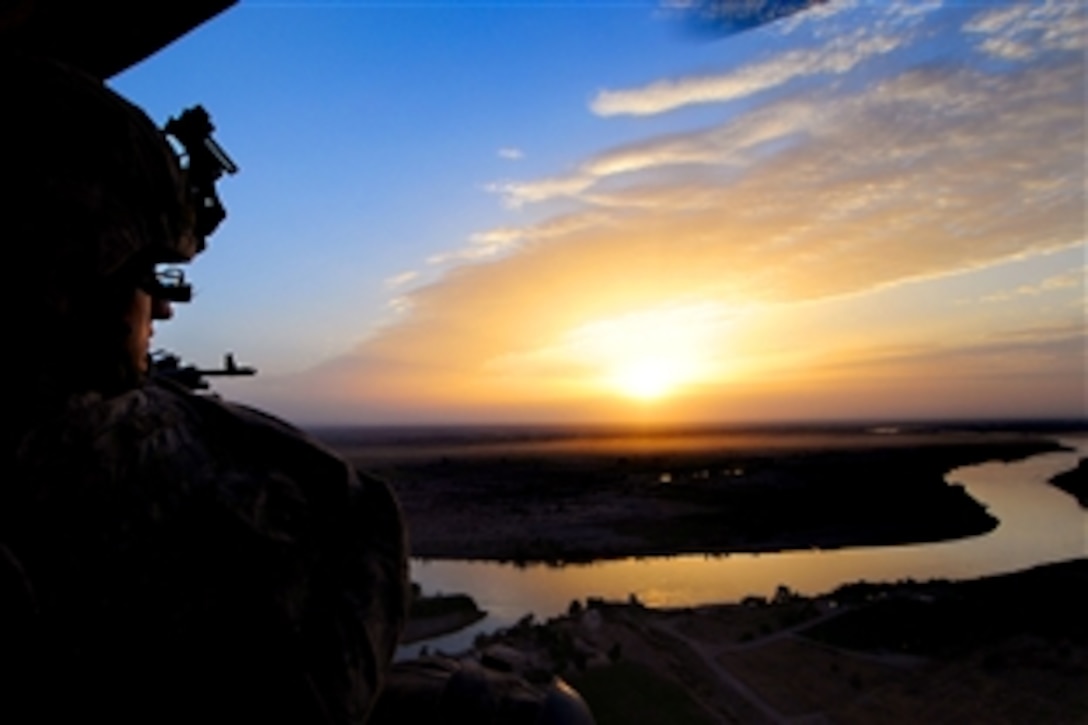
205,161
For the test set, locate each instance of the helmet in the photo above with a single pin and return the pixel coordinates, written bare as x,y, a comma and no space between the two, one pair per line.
93,182
92,197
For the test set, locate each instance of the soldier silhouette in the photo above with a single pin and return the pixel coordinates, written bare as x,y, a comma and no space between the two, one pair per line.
164,556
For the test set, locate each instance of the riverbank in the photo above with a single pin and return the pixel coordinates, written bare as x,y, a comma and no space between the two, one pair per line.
587,499
1075,482
893,655
438,614
1010,648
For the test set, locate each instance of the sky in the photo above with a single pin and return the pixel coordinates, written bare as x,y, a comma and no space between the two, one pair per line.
555,212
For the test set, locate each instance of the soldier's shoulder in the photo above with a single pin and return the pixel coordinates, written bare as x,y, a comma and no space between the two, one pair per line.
227,417
261,439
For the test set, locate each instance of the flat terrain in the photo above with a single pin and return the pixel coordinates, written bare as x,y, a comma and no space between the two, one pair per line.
1008,649
583,498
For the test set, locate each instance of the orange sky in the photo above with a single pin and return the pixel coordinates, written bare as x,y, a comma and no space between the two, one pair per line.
871,229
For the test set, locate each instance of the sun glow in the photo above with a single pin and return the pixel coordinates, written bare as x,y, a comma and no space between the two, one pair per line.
648,380
648,355
653,354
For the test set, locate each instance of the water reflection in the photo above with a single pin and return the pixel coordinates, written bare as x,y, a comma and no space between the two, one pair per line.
1039,523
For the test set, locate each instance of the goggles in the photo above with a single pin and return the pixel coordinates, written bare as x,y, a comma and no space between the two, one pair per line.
166,283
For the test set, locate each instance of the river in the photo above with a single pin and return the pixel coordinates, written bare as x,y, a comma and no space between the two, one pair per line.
1039,523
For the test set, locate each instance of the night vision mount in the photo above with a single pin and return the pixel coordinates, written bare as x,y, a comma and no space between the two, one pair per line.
202,163
205,161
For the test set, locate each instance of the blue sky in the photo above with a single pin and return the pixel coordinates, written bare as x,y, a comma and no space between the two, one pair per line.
367,134
525,211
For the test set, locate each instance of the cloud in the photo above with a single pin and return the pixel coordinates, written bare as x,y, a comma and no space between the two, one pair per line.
511,154
953,161
1019,32
728,146
895,134
727,17
799,202
400,305
482,245
910,10
839,56
841,51
1032,351
1070,279
1038,371
516,193
816,17
399,280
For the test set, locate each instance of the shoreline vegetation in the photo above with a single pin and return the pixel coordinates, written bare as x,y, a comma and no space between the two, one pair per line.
558,500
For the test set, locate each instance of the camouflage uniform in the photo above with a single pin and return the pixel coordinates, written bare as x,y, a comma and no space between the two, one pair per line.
192,560
164,557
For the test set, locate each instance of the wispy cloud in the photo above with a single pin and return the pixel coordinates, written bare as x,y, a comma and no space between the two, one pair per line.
400,305
837,57
481,246
399,280
911,10
816,17
506,239
1071,279
726,146
1019,32
511,154
898,134
1036,370
517,193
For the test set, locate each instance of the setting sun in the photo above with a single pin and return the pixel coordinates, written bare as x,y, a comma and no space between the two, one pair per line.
651,354
648,380
646,354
